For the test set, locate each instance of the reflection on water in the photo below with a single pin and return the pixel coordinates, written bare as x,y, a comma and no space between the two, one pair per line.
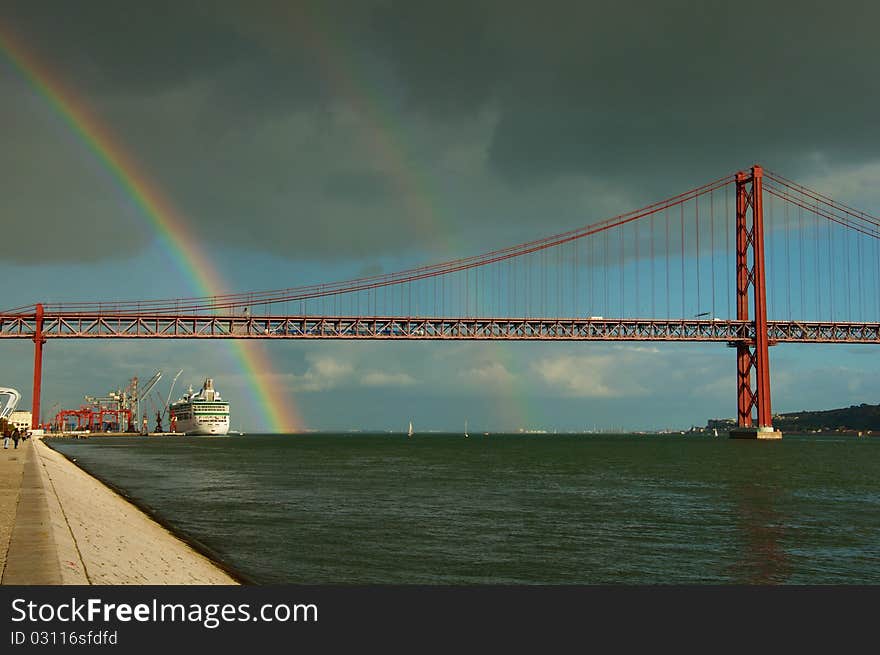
761,530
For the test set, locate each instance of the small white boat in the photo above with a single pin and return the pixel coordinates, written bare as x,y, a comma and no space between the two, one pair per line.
715,431
409,432
466,435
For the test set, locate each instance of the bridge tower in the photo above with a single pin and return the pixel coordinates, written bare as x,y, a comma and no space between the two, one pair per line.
750,273
39,340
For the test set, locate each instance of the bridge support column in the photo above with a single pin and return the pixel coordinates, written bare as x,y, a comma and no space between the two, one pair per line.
39,340
752,354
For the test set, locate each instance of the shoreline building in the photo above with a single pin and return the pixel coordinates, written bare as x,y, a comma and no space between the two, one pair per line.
21,419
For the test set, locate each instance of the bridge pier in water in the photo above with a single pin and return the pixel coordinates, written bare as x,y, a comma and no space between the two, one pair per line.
755,355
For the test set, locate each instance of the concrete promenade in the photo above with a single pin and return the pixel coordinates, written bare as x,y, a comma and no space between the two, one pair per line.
59,525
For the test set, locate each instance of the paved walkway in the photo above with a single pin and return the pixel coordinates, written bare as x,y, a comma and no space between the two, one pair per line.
11,467
59,525
29,555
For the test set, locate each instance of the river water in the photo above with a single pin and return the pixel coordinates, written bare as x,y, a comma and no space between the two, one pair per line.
514,509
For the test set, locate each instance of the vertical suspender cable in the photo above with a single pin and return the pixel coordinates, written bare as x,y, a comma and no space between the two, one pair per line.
846,259
785,209
697,250
590,260
712,245
859,273
668,308
542,281
681,216
770,261
467,292
622,297
831,231
561,278
545,301
801,257
605,268
575,274
818,270
728,282
653,269
513,269
636,230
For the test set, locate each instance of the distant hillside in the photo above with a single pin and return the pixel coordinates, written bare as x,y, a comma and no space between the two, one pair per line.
857,418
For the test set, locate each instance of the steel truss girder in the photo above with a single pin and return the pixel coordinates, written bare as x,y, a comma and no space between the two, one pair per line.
430,328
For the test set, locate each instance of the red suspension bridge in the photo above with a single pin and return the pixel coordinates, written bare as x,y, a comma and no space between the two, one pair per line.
751,260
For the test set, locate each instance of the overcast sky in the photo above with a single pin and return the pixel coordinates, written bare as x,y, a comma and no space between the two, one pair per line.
307,142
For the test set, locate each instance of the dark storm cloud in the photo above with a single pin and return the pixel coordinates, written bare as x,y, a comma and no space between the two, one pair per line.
57,201
357,187
624,88
399,124
444,53
121,47
578,85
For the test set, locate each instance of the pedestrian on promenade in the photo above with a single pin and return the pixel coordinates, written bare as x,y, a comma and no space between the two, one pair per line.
5,436
16,435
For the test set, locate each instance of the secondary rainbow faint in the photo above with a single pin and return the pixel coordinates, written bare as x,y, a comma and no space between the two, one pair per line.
341,70
278,411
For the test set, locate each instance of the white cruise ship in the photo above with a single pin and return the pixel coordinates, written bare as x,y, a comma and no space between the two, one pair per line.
201,413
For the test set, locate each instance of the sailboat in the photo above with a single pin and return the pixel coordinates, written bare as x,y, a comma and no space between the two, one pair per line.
715,430
466,435
409,432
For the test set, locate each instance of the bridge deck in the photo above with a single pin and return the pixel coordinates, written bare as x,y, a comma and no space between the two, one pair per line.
133,326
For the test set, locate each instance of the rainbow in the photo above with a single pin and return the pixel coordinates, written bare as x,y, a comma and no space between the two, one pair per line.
378,129
278,410
340,68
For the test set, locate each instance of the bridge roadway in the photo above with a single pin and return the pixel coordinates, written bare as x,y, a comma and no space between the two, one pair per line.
206,326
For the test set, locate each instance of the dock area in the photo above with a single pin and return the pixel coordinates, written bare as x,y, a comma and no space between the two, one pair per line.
99,435
59,525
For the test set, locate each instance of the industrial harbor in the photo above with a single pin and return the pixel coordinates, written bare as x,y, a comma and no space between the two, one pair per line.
137,408
126,410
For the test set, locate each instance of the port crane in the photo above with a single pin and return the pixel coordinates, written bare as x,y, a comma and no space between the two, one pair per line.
150,384
160,414
158,411
12,401
145,392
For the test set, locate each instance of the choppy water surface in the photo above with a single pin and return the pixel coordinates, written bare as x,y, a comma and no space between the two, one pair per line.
513,509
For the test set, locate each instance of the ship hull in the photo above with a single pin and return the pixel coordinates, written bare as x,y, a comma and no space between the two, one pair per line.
197,428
